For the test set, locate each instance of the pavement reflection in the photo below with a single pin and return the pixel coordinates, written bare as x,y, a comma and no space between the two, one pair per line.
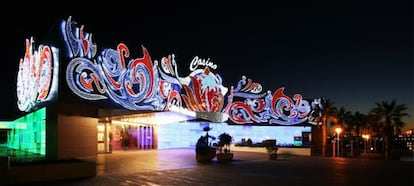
179,167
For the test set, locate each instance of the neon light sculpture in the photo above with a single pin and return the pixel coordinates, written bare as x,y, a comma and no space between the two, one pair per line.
80,43
316,112
201,91
204,92
137,84
140,84
134,86
37,76
254,106
170,85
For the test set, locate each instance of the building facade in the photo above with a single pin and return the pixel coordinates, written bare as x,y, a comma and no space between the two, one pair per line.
82,99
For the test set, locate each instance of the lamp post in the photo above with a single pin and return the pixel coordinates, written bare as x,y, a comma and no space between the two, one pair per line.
366,137
338,130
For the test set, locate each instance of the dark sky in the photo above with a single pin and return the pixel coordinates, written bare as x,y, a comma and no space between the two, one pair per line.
355,53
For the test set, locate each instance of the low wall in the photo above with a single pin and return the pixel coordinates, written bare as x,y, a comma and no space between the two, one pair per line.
281,150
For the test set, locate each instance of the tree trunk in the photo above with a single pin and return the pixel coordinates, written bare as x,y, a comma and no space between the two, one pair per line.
324,135
386,141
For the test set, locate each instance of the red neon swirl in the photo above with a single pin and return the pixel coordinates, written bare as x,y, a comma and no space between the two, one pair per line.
238,119
276,97
162,91
197,93
146,61
123,53
114,83
85,46
129,88
86,83
44,88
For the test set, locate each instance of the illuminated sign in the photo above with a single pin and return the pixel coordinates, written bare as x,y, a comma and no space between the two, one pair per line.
137,83
141,84
248,105
132,83
37,75
204,92
196,62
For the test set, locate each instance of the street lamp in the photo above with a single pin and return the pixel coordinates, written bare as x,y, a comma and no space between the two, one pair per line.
338,130
366,137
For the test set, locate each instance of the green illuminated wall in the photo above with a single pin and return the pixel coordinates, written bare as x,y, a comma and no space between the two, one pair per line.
29,133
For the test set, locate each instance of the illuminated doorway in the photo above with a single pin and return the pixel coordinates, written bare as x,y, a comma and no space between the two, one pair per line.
123,137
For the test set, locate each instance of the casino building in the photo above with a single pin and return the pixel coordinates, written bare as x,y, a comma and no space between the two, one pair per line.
81,99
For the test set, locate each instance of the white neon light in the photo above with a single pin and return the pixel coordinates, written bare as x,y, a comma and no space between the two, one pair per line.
55,79
196,62
37,78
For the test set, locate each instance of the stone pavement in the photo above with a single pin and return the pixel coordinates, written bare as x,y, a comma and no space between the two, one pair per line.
178,167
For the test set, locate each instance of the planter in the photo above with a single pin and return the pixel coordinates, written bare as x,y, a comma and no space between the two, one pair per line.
273,156
205,155
225,157
272,152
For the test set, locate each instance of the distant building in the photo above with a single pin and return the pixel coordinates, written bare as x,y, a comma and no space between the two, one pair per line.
406,140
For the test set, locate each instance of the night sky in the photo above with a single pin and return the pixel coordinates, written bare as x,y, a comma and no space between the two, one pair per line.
355,53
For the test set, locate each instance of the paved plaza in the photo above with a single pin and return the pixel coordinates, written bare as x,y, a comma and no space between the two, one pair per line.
179,167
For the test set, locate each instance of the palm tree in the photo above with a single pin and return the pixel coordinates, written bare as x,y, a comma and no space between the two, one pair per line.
389,115
342,118
224,142
355,124
374,128
373,125
327,111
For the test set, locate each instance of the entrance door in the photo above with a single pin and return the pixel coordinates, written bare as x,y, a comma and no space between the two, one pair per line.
131,137
146,137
